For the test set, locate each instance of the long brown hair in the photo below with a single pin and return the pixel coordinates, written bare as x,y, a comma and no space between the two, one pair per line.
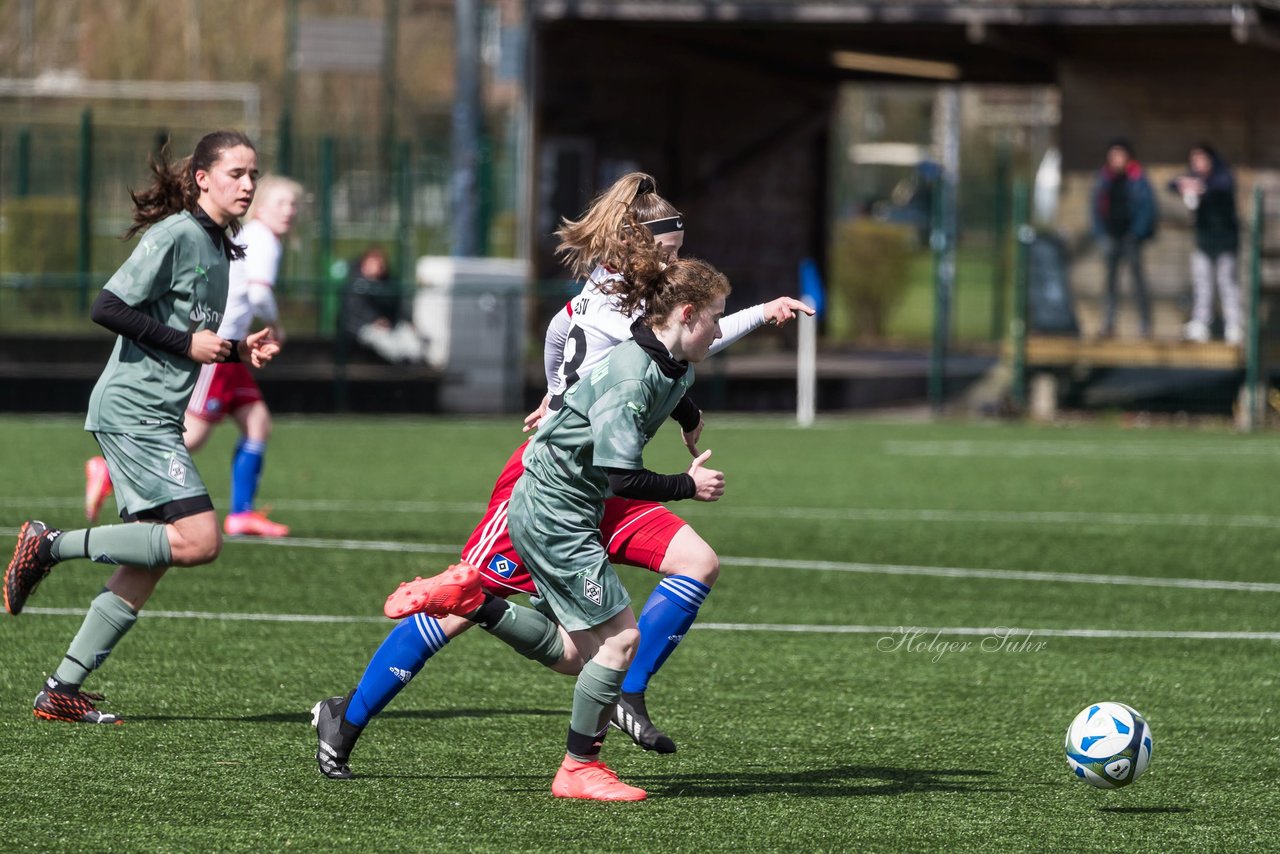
614,218
173,185
657,288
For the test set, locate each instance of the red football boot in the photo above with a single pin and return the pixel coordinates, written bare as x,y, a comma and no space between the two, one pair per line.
457,590
592,781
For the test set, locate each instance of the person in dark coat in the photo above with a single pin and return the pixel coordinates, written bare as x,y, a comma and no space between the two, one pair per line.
1209,191
1124,217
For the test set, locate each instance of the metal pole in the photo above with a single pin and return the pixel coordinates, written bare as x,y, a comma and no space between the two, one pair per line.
328,294
1000,229
284,157
466,123
24,163
390,25
1018,323
806,370
946,122
85,253
526,163
404,199
1253,355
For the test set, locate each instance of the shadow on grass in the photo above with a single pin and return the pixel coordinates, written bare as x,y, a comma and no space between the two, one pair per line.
841,781
1142,810
305,717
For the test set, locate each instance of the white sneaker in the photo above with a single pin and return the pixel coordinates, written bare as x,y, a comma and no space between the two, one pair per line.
1233,335
1195,331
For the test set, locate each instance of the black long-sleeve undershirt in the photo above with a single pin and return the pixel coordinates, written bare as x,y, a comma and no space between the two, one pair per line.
646,485
114,314
687,414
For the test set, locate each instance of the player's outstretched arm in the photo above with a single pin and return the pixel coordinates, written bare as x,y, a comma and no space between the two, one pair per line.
775,312
784,309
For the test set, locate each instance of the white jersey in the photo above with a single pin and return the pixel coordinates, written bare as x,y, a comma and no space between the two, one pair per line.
581,335
250,291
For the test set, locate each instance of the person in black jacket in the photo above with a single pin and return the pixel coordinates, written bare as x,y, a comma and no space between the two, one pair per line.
372,312
1209,191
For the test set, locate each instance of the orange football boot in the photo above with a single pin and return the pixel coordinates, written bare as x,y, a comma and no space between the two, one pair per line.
592,781
457,590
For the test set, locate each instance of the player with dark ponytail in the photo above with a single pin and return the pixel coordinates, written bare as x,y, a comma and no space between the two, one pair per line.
165,304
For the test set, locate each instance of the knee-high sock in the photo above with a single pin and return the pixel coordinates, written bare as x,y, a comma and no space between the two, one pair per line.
133,543
401,655
109,618
670,611
525,630
246,471
594,697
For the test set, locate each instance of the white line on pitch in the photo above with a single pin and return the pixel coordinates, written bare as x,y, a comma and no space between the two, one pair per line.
844,514
1011,633
1060,448
815,565
842,566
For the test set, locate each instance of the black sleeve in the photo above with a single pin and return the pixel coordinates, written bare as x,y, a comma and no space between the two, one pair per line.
115,314
650,486
687,414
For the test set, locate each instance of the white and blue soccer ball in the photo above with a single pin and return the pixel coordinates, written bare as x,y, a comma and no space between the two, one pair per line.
1108,745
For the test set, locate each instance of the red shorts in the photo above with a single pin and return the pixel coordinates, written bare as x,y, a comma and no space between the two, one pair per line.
636,533
221,388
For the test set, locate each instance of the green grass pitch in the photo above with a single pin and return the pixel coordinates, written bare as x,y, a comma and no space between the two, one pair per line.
1135,565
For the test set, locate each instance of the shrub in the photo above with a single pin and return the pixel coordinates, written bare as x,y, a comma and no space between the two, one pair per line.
870,274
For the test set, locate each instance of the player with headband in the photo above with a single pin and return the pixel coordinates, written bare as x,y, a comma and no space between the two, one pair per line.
641,533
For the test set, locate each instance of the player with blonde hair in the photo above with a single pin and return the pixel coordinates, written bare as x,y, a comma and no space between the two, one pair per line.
628,217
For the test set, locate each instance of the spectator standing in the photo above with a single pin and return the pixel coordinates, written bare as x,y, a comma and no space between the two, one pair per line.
1123,218
1209,191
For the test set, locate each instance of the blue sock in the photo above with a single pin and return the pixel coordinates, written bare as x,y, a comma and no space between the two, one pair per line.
246,468
670,611
397,661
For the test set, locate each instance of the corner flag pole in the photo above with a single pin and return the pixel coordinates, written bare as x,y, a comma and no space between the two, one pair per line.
807,344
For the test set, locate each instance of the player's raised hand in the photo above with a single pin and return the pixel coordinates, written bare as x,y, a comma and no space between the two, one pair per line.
783,309
708,483
691,438
207,347
259,348
534,418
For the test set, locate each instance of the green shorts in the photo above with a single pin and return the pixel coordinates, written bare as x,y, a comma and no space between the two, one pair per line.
563,552
149,470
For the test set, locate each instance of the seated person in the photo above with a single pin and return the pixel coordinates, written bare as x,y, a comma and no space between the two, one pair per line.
372,310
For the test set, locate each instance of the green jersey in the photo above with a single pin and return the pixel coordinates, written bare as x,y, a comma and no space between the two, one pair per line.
605,422
177,276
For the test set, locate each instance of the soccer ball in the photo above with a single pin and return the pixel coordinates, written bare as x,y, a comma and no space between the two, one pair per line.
1108,745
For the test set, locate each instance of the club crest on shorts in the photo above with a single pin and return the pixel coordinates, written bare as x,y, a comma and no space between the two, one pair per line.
177,471
593,591
502,565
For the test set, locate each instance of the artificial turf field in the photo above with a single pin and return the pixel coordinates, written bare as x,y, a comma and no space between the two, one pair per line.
1134,565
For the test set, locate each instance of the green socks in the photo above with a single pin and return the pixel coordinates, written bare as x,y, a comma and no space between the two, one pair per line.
594,697
109,618
137,544
523,629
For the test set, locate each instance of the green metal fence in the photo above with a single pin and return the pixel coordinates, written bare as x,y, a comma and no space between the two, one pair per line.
64,203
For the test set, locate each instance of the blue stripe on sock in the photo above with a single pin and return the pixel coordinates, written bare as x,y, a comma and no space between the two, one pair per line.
692,592
397,660
429,628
